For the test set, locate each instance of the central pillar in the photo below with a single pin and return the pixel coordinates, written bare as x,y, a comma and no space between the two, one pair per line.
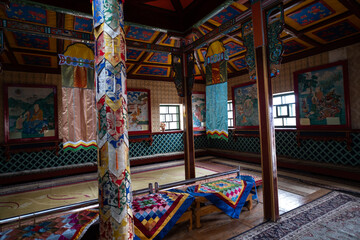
266,123
115,195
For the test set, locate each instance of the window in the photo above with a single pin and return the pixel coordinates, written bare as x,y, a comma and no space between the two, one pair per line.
230,114
170,115
284,110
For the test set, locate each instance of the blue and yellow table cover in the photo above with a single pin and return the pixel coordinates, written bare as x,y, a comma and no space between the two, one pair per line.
155,214
229,195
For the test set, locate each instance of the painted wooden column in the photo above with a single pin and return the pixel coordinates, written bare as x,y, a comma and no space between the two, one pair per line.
266,124
189,149
115,196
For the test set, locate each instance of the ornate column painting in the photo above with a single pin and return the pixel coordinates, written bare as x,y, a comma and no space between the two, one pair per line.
78,117
216,91
116,219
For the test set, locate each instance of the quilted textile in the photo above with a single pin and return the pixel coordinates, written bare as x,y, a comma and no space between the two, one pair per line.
70,226
155,214
229,195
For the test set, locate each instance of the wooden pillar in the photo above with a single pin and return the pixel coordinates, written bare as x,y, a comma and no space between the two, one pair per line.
116,221
266,124
189,150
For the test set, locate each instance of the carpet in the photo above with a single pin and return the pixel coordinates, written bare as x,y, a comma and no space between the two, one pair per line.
71,226
333,216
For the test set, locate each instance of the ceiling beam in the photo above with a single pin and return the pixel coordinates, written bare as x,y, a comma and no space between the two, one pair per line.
231,67
353,6
138,63
151,47
28,68
34,51
153,78
9,51
196,55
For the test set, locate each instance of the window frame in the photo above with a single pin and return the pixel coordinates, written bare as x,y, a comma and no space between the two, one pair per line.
276,111
230,103
178,106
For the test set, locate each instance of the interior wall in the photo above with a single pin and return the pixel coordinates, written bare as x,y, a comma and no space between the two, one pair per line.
285,81
161,92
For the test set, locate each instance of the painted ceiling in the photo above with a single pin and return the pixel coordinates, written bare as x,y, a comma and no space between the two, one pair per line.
311,26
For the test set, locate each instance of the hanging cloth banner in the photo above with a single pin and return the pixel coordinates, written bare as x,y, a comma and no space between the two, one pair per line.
216,91
78,118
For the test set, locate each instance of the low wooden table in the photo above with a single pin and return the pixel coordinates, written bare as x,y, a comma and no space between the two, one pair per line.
187,216
208,209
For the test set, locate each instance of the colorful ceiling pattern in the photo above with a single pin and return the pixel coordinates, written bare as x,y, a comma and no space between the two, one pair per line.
36,60
31,41
226,15
309,24
155,71
159,58
240,63
293,46
233,48
312,13
83,24
140,34
133,54
27,13
337,31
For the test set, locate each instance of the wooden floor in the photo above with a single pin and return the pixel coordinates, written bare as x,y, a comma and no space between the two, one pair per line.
295,190
219,226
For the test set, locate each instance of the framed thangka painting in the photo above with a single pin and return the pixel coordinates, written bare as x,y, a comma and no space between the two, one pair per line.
322,97
245,106
30,113
139,111
199,110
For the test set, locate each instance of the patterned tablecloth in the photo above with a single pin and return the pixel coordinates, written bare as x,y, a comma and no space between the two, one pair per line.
229,195
155,214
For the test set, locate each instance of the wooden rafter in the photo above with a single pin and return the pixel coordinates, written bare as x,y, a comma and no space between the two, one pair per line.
138,63
34,51
9,51
353,6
